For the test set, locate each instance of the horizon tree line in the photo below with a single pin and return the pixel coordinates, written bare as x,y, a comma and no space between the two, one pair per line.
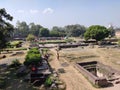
22,29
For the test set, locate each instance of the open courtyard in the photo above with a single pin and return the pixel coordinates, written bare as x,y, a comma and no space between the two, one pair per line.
72,77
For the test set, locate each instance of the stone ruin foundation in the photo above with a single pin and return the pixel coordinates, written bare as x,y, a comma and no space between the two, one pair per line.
98,73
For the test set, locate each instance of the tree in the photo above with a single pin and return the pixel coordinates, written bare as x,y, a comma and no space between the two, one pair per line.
75,30
44,32
38,27
57,32
22,29
34,29
30,37
112,31
6,28
96,32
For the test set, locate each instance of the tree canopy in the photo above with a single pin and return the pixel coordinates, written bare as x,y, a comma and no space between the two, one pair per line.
57,32
34,29
96,32
22,29
75,30
44,32
5,28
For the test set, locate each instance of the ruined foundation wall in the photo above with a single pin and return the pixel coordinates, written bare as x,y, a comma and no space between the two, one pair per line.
108,69
92,78
87,74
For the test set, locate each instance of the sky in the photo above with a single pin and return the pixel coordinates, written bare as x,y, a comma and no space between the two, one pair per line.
49,13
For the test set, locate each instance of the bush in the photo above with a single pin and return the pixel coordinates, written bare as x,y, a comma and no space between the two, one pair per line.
15,44
33,57
33,51
48,82
15,63
30,37
69,40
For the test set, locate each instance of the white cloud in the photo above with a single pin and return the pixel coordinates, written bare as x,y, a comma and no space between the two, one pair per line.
34,11
48,11
20,11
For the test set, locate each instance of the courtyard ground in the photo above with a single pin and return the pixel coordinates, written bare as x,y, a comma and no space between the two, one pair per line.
12,81
72,77
68,57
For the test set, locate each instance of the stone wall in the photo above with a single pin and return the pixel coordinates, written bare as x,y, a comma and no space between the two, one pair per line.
100,81
71,45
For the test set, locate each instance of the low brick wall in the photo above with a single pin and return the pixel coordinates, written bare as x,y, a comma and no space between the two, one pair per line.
71,45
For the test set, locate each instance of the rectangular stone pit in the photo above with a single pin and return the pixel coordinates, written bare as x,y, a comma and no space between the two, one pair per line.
97,73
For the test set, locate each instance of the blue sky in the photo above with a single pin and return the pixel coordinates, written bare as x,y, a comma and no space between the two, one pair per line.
49,13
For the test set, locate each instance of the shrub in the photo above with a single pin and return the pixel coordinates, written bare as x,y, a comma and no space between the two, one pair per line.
33,57
69,40
48,82
30,37
15,63
15,43
33,50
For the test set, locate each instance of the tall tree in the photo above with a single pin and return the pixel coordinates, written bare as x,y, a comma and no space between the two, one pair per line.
34,29
75,30
44,32
96,32
22,29
5,27
57,32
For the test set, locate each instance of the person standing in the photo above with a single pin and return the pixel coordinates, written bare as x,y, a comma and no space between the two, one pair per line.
57,54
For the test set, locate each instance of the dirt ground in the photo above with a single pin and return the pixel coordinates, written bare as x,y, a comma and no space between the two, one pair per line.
14,83
9,58
72,77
